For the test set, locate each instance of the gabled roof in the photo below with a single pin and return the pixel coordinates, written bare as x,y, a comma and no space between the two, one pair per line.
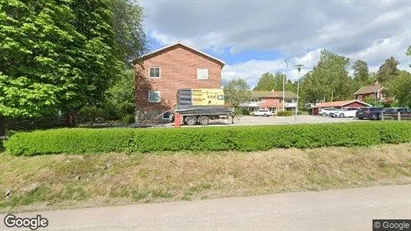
369,89
273,94
184,45
340,103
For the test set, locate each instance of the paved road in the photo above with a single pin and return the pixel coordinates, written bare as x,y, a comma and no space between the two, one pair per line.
351,209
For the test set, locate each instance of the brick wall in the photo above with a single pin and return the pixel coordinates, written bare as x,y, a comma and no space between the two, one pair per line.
178,70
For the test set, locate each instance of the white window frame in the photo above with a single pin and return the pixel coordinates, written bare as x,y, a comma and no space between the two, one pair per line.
159,96
202,69
159,73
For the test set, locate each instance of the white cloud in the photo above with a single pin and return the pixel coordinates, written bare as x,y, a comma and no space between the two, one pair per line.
368,30
252,70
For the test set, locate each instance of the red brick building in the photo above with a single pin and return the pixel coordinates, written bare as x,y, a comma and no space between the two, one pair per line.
161,73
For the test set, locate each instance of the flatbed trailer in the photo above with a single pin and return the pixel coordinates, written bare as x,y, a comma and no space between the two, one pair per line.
192,115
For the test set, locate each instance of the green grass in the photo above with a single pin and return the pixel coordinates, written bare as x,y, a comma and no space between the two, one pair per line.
63,181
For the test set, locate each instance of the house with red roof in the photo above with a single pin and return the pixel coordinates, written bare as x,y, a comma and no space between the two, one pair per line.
271,100
374,91
339,104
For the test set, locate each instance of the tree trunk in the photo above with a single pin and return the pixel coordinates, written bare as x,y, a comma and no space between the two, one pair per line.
2,126
71,120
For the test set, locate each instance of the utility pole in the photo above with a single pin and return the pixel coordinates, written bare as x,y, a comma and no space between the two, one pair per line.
299,66
284,76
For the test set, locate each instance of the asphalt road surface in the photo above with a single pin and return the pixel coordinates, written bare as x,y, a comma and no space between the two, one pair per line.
351,209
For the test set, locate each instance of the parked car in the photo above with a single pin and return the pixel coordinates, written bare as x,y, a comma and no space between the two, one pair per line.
373,113
327,111
392,113
344,112
262,112
393,110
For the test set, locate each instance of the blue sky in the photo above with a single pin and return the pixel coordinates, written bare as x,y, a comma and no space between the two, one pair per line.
225,54
254,37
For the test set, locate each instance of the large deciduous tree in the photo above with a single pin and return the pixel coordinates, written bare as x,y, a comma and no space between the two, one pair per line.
128,29
265,83
269,82
400,88
37,65
328,80
63,54
388,70
121,98
361,72
237,91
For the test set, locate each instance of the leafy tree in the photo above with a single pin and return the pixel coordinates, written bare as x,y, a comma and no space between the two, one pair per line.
400,89
265,83
236,92
61,54
310,90
278,81
128,29
371,100
372,78
290,86
409,51
361,73
120,98
328,80
269,82
388,70
37,69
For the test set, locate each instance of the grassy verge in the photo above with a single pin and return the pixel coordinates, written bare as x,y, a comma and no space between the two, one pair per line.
62,181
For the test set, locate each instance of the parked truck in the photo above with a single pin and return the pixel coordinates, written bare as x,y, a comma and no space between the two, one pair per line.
199,106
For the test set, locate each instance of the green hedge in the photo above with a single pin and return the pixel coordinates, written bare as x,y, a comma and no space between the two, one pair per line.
285,113
241,138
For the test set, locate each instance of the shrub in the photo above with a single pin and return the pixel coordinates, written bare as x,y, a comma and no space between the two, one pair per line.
90,114
241,111
244,111
285,113
241,138
128,118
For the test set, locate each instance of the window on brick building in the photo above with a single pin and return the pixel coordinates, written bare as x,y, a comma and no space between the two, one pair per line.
154,72
154,96
202,73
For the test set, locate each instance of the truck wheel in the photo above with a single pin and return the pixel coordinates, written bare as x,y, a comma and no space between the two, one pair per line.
191,120
203,120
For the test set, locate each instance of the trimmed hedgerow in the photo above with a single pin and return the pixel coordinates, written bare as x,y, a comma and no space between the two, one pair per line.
285,113
241,138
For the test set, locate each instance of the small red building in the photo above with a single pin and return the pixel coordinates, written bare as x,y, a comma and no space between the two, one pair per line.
338,104
374,91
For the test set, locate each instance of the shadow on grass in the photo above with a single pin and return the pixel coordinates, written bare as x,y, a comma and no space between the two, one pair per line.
2,148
